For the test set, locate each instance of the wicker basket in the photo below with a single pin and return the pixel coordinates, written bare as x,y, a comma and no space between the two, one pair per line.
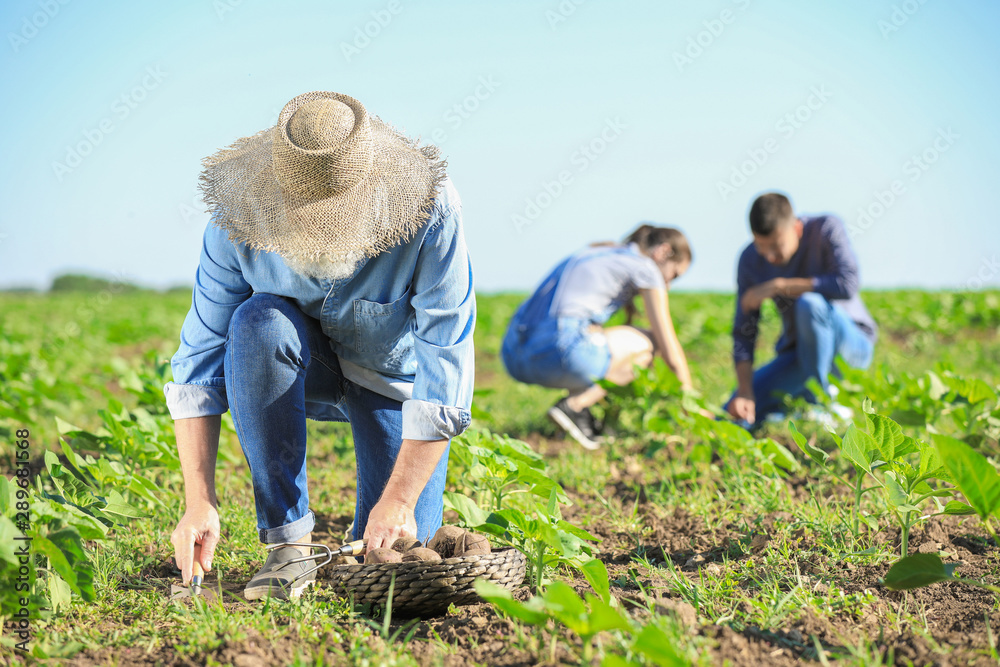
426,588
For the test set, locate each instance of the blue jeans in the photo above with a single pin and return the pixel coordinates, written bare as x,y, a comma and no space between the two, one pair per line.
822,331
563,353
277,360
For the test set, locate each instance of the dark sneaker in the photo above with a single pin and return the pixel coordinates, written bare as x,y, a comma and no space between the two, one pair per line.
286,573
579,425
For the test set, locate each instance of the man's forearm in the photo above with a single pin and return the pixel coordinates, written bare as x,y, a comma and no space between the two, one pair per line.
744,379
792,287
197,449
414,466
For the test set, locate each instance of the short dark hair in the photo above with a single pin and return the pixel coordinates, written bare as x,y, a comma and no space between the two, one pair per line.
768,211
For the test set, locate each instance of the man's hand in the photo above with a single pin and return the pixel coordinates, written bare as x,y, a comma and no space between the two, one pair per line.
742,407
388,521
198,526
754,297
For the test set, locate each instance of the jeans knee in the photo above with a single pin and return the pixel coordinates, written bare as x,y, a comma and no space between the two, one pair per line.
264,321
812,307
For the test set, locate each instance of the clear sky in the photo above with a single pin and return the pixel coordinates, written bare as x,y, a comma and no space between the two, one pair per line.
563,123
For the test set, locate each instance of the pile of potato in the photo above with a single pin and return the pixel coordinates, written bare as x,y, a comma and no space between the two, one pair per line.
448,542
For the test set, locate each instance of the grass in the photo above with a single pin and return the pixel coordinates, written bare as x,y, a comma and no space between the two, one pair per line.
751,551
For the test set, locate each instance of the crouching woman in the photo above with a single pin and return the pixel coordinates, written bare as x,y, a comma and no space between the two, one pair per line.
557,338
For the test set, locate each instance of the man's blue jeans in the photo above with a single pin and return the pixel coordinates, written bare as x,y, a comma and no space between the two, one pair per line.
822,331
277,359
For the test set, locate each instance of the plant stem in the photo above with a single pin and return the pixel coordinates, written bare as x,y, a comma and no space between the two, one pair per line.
857,500
989,529
905,534
539,566
978,584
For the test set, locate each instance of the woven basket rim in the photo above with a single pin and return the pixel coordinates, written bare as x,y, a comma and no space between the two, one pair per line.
427,564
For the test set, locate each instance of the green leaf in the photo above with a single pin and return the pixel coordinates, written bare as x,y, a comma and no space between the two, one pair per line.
597,576
655,645
466,507
814,453
974,476
895,494
8,531
7,499
857,446
60,593
576,531
604,617
886,434
778,454
918,570
117,505
501,598
65,428
567,607
937,388
614,660
64,550
958,508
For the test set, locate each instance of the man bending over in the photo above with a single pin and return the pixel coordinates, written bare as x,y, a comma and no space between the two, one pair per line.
806,265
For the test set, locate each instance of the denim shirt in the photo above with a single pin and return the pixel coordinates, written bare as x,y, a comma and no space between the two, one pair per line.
401,325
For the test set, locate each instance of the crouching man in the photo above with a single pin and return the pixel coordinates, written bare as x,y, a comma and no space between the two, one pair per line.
334,284
806,265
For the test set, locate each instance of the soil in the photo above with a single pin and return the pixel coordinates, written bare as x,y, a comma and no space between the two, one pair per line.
959,616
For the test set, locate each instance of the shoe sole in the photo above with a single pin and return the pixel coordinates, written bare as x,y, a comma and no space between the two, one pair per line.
279,592
563,421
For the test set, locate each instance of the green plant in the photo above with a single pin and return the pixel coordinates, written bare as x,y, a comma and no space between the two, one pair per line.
881,454
542,535
921,570
586,617
975,477
492,468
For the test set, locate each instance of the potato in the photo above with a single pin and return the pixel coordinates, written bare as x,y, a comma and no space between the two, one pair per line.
404,544
382,555
445,540
420,554
473,545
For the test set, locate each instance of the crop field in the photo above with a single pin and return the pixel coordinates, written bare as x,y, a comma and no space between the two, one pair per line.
683,541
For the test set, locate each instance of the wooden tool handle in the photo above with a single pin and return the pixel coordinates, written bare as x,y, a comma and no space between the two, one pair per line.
357,546
196,570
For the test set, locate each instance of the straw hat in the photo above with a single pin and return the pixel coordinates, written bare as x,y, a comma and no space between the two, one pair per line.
328,183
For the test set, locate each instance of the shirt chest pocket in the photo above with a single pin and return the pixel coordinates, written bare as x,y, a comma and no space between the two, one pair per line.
379,327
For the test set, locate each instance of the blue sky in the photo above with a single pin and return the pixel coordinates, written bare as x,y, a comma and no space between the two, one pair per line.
563,123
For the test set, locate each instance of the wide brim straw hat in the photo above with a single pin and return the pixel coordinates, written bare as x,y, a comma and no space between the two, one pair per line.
328,182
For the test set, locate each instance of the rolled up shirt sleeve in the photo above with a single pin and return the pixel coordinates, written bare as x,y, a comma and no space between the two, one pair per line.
445,306
744,323
198,388
840,277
